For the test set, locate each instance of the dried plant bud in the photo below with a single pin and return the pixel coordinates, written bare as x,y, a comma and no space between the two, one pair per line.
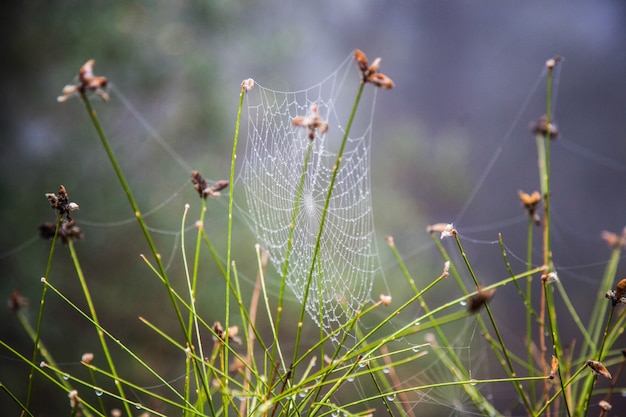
74,398
613,240
380,80
551,63
605,405
61,203
219,331
116,412
237,366
530,203
16,301
232,333
385,299
67,232
390,241
598,369
87,358
199,183
246,85
375,67
87,81
313,122
476,302
361,60
446,269
554,367
618,295
545,129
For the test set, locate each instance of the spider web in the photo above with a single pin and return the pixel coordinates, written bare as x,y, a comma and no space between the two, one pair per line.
343,271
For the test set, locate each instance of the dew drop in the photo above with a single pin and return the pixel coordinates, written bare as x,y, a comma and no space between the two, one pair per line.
473,381
386,370
417,323
463,303
303,394
335,414
138,406
98,392
350,379
391,397
416,349
362,364
66,377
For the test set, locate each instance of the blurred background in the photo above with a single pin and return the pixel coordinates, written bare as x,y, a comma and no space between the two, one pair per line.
462,74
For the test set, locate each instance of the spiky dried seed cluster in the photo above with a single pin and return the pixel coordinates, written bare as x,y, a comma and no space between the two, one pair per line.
247,85
68,231
545,129
312,123
530,203
87,81
202,187
62,203
371,73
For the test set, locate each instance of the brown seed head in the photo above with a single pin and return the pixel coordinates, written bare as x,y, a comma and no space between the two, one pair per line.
477,301
361,60
545,129
16,301
380,80
598,369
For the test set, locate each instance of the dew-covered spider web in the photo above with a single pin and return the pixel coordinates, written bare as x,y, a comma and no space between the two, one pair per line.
341,275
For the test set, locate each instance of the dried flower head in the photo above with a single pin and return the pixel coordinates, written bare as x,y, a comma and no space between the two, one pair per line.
62,203
87,358
613,240
220,334
371,73
87,81
598,369
313,122
545,129
385,299
551,63
446,269
246,85
16,301
476,302
74,398
554,367
202,187
605,405
530,203
67,232
618,295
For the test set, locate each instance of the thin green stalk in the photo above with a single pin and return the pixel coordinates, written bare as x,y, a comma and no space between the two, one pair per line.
133,203
518,387
225,395
94,317
16,400
529,308
40,315
324,214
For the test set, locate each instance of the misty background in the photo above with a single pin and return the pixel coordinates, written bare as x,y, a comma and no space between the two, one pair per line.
462,72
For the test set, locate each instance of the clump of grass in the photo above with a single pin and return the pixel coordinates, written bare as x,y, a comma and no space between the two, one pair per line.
240,368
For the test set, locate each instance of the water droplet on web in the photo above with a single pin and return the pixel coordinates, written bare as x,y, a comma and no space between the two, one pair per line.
473,381
66,376
303,394
98,392
335,414
386,370
391,397
416,349
463,303
362,364
350,379
138,406
417,323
